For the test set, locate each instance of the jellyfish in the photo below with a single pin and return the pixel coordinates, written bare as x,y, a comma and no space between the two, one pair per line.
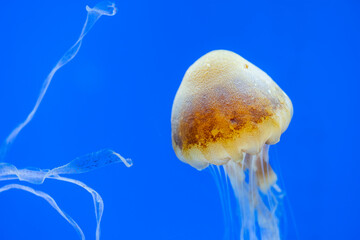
226,114
79,165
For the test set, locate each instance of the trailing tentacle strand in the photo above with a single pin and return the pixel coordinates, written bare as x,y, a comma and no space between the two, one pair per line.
79,165
93,14
257,204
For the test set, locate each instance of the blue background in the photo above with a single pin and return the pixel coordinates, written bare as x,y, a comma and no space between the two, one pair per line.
118,93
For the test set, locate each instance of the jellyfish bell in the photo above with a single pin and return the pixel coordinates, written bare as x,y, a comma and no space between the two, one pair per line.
226,106
226,112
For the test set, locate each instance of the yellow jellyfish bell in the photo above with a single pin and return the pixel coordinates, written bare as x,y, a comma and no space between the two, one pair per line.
226,112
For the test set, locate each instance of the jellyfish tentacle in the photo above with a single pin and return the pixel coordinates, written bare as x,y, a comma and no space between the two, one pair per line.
264,176
86,163
267,219
97,199
79,165
252,192
257,207
93,14
50,200
90,162
235,172
228,199
217,177
221,180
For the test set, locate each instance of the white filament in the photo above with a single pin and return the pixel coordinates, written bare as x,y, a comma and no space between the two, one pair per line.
257,211
82,164
93,14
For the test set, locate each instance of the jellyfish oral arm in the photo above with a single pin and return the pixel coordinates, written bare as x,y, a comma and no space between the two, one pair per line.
93,14
79,165
253,181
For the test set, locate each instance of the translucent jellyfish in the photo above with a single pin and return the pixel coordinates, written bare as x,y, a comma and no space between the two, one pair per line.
225,114
83,164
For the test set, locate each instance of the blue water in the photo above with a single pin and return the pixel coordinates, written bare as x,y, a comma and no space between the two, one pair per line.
118,91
